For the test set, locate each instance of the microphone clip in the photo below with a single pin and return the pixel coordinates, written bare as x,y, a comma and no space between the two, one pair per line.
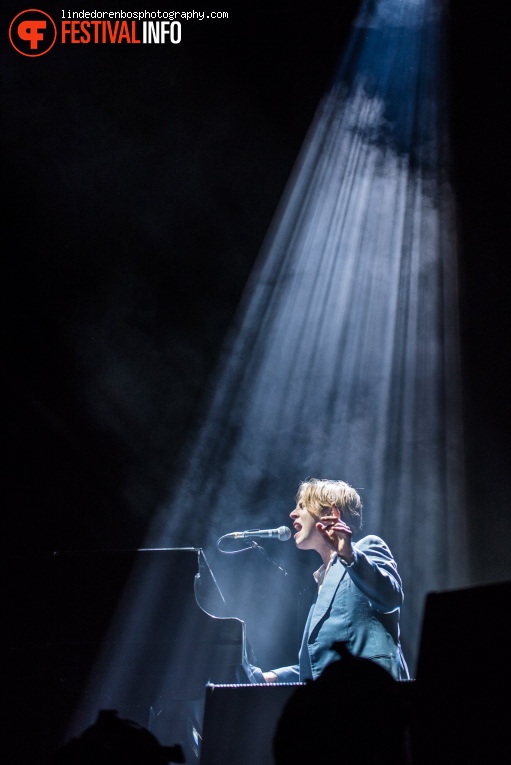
261,549
250,544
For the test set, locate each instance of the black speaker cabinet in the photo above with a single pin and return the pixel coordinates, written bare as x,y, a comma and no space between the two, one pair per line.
461,712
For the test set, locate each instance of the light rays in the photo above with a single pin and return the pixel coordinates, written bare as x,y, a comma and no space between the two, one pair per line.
343,361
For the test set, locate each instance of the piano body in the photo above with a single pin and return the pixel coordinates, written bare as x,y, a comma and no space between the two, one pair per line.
139,631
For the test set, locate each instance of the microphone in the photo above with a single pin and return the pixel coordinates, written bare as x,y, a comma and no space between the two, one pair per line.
282,534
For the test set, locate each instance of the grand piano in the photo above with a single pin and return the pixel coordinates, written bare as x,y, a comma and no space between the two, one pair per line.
144,632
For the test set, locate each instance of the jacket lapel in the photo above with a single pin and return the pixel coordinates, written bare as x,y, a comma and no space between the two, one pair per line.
332,580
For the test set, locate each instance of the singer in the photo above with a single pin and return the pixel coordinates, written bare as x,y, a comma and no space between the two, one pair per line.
359,589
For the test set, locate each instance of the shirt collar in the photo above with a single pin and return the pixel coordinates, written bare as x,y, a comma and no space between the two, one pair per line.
322,571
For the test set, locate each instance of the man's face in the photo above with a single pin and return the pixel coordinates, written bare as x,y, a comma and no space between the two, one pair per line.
307,537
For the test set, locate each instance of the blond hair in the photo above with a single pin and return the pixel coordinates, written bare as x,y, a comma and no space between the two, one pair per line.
318,495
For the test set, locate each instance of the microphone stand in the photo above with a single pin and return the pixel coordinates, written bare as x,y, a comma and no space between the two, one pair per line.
255,546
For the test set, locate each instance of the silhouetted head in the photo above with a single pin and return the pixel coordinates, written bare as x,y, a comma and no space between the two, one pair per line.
353,713
115,741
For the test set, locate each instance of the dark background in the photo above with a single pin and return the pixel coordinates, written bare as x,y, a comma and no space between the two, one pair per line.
141,181
479,56
139,184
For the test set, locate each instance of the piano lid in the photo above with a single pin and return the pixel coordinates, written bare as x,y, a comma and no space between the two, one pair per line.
136,613
71,596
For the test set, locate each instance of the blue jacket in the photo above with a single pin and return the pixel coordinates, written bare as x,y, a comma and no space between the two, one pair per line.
358,604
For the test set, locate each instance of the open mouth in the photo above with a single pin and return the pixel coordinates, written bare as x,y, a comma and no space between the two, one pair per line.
297,526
